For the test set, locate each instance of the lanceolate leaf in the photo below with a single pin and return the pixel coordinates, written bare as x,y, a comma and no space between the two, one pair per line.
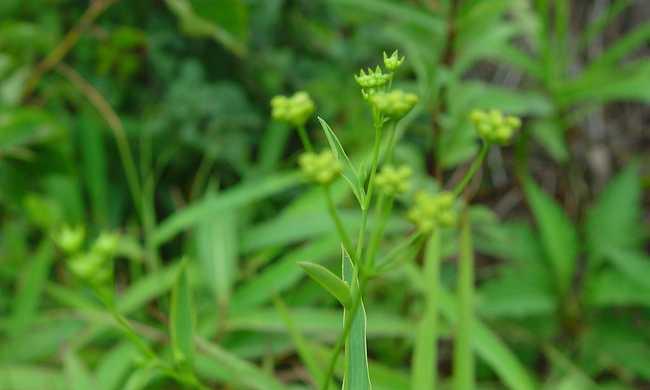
349,172
181,321
356,376
613,222
328,281
558,235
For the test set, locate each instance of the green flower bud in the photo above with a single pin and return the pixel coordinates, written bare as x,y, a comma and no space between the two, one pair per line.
106,244
494,127
90,267
373,79
394,181
321,167
294,110
430,211
393,62
70,239
394,104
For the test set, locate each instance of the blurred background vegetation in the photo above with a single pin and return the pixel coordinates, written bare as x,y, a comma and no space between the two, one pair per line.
150,120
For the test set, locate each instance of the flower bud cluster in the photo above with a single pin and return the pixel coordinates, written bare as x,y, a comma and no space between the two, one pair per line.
394,181
372,81
321,168
394,104
295,109
88,265
494,127
393,62
430,211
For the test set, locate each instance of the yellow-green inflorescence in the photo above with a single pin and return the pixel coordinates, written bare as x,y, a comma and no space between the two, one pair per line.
321,168
494,127
91,265
394,104
295,109
430,211
393,61
394,181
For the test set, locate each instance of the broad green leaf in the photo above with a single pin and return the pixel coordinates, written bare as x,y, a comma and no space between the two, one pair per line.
356,376
425,351
557,233
613,221
328,281
216,240
235,197
181,319
349,172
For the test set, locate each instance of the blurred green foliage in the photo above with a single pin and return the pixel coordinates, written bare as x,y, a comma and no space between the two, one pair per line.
151,120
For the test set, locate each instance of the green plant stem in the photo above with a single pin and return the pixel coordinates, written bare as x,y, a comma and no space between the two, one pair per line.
390,149
476,164
384,207
424,373
463,359
371,185
386,262
340,229
304,137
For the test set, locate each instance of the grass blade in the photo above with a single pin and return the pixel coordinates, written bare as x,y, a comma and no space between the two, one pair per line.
181,320
356,376
463,355
424,367
237,196
217,254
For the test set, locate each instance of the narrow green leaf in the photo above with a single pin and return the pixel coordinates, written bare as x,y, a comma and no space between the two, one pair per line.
217,254
328,281
356,376
181,320
235,197
240,371
304,350
633,264
13,377
349,172
424,365
78,377
30,288
141,378
557,233
463,354
398,11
